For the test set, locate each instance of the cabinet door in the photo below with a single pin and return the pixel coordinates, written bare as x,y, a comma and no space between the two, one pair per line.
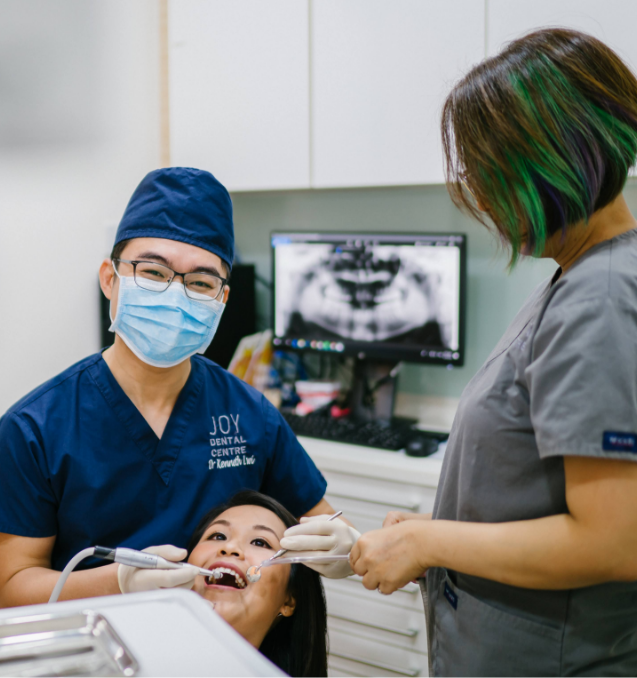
612,21
380,72
239,90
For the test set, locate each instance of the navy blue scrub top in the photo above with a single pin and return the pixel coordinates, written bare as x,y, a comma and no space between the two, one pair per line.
80,462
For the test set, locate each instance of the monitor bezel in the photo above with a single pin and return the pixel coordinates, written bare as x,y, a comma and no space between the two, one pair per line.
373,351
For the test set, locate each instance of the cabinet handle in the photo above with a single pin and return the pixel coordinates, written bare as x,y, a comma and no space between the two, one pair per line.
409,633
377,665
412,508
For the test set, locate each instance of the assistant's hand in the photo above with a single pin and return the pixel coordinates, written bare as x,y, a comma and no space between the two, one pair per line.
395,517
389,558
316,536
135,579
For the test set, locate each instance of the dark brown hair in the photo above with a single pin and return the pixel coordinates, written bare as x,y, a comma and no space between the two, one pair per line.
540,136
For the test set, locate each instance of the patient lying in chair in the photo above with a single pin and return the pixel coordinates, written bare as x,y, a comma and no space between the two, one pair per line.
283,614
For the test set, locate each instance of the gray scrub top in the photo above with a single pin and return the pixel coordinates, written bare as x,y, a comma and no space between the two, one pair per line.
562,381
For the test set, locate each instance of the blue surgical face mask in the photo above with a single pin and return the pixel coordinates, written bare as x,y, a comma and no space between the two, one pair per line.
164,328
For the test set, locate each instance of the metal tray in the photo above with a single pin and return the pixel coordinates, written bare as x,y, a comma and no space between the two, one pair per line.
81,644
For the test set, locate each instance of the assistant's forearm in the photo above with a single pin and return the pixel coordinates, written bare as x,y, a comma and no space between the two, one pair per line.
34,585
547,553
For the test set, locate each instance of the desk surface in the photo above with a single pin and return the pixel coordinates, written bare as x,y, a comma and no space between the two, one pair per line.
433,413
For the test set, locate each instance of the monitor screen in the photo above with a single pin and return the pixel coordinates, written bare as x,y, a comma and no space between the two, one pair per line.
379,296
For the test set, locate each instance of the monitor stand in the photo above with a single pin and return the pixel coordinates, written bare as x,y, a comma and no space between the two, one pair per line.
374,392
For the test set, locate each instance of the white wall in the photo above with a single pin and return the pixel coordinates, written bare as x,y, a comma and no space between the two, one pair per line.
79,128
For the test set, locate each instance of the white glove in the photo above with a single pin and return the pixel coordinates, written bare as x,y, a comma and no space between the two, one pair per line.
316,536
135,579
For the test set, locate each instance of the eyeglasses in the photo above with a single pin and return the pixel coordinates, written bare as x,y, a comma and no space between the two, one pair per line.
156,278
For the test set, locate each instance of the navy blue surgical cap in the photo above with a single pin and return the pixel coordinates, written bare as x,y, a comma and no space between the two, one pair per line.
185,204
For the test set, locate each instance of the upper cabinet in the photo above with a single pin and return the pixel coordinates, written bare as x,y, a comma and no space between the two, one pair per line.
282,94
239,90
612,21
381,70
316,93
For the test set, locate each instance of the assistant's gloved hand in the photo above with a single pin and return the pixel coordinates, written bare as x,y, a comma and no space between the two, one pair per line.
316,536
135,579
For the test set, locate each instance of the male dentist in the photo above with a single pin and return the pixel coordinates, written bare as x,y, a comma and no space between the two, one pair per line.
131,446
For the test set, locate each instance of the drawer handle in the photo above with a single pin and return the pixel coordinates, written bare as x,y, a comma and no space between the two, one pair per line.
412,508
377,665
409,633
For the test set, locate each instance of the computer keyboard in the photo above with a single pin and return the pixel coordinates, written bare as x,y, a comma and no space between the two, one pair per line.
370,434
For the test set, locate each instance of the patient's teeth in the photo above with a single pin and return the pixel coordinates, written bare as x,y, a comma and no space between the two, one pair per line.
220,571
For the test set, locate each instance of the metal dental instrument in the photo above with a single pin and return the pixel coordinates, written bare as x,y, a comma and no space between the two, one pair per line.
254,571
124,556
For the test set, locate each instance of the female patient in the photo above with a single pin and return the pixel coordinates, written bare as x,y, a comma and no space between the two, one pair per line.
283,614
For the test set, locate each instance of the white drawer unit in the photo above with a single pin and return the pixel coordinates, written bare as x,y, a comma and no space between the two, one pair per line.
371,634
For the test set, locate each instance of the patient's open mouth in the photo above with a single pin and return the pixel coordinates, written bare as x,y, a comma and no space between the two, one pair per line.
227,576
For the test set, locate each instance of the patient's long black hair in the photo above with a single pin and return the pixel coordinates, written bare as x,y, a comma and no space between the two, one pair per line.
296,644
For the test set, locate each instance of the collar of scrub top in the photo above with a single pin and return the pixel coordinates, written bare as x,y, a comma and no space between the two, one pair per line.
162,453
184,204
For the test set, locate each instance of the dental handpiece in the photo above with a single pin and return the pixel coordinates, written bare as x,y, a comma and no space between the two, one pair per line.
254,572
146,561
124,556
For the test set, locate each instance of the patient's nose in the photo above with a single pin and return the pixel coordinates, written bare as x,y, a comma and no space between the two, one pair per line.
230,548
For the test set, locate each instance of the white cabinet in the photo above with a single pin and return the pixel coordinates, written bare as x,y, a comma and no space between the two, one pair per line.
371,634
239,90
331,93
381,70
336,93
612,21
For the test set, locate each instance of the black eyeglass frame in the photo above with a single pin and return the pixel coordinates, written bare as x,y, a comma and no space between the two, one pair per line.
224,281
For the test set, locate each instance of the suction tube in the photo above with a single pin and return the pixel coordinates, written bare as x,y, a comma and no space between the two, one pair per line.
254,572
291,560
70,566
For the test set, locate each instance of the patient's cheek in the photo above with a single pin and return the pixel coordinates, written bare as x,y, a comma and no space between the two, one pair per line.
200,553
199,587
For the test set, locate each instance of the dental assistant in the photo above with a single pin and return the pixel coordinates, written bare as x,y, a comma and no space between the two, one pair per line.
130,446
531,556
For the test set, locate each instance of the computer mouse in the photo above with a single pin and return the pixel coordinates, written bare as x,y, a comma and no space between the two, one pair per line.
422,446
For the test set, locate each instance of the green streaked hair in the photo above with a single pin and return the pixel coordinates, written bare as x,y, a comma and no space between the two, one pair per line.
542,135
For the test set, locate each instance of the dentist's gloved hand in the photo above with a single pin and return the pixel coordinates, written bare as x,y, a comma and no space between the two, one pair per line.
135,579
316,536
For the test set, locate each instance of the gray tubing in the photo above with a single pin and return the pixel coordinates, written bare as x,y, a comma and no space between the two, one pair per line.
70,566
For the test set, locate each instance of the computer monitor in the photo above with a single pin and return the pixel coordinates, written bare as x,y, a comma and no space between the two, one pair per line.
384,297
